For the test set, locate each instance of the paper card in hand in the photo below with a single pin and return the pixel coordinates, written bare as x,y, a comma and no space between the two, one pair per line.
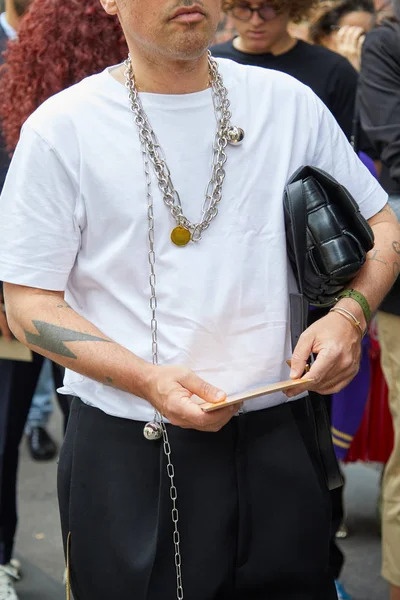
255,393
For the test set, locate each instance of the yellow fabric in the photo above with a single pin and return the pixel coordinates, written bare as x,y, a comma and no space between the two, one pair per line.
342,435
389,339
340,443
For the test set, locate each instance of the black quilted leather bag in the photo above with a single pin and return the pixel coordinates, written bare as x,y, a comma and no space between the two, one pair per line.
327,241
327,237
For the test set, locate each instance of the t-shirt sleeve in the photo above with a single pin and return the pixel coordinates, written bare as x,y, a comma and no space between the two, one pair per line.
39,235
342,94
335,155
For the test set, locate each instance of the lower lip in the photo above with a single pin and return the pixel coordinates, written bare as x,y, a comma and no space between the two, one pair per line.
193,17
256,35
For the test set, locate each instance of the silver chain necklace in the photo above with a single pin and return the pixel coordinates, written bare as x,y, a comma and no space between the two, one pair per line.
184,232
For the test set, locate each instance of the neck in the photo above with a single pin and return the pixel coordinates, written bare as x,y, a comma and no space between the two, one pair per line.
11,15
281,46
160,76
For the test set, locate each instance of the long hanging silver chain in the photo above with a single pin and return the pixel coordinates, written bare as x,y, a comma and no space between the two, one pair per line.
154,348
158,417
152,151
156,155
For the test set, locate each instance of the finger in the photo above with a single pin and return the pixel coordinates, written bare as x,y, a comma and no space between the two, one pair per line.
324,367
187,414
221,421
332,367
335,382
301,354
339,379
301,388
341,32
204,390
335,386
350,31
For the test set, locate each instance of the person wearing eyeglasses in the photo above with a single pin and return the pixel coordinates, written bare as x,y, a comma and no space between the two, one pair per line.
263,40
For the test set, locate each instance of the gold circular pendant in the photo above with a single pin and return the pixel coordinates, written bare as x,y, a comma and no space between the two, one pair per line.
180,236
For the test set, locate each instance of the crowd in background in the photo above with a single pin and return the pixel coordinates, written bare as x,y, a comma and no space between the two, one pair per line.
348,52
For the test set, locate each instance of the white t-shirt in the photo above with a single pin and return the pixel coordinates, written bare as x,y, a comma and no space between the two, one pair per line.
73,217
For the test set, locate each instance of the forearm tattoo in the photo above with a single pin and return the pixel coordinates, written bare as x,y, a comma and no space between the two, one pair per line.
52,337
374,255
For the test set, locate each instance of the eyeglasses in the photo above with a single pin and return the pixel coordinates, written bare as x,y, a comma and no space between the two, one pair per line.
244,12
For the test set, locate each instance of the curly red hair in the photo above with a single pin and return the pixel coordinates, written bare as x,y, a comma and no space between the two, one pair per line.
59,44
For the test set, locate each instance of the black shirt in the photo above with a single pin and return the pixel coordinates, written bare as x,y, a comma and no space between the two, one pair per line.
329,75
379,111
379,99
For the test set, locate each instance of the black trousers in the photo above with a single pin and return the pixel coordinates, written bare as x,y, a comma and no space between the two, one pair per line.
18,382
254,509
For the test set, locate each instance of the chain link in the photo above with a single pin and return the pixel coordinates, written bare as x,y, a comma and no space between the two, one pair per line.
156,155
173,492
152,152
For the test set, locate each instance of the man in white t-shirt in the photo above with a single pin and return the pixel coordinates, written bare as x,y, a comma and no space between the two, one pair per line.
150,298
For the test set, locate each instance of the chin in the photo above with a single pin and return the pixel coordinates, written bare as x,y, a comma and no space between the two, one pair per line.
257,47
191,44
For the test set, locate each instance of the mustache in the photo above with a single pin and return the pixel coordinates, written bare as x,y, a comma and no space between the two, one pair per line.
188,3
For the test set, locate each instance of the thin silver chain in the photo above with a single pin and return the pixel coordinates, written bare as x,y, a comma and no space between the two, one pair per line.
158,417
156,154
152,152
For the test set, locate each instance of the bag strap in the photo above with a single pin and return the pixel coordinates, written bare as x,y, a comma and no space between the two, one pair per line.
298,304
297,212
299,307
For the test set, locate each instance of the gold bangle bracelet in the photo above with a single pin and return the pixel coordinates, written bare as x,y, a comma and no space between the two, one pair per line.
350,317
356,321
350,314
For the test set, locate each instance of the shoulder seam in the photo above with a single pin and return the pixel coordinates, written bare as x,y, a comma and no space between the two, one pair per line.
51,147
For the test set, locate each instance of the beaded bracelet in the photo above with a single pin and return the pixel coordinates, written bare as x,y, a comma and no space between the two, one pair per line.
350,317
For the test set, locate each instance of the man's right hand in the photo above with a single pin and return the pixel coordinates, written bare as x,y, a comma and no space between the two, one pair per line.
4,328
170,391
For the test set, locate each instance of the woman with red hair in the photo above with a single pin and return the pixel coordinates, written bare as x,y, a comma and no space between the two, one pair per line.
59,43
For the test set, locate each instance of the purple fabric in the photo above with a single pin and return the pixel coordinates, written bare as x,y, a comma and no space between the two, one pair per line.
369,163
348,406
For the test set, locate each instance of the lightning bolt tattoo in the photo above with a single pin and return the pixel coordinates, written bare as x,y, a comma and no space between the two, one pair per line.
52,338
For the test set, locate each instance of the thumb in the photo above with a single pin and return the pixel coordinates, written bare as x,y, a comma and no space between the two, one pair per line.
300,355
203,389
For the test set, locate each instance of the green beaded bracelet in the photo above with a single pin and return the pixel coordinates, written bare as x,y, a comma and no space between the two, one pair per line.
360,299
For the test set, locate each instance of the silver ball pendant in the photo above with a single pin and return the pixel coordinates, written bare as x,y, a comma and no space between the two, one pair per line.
235,135
152,431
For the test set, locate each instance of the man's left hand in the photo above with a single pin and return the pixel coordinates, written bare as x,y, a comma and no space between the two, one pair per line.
337,343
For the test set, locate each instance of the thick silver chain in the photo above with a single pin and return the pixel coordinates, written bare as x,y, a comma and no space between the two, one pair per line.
152,152
156,155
